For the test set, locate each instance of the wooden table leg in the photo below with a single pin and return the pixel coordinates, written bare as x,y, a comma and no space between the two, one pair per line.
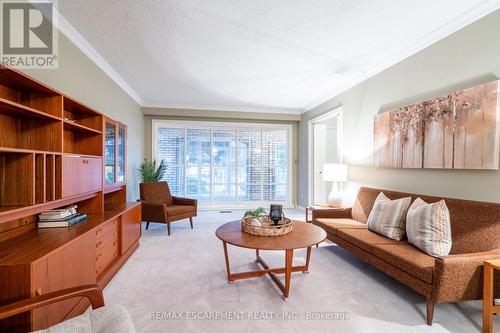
488,304
226,257
288,272
257,255
308,258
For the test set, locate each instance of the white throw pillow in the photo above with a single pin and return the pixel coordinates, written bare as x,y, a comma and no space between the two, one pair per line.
428,227
388,216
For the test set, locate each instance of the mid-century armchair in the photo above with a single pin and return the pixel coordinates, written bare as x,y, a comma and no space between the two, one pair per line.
102,319
158,205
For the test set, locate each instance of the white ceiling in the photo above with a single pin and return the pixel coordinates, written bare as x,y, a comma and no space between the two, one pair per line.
260,55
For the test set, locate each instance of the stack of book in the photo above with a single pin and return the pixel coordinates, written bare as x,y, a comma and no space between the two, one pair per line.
60,217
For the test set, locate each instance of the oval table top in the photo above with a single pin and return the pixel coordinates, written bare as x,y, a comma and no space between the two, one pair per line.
302,235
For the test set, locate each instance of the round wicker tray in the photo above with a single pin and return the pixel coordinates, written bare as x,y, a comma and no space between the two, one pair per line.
264,226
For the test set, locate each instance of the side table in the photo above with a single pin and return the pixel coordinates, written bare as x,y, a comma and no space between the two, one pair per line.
489,307
310,209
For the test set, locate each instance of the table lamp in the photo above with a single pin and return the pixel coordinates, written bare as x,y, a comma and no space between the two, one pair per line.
335,173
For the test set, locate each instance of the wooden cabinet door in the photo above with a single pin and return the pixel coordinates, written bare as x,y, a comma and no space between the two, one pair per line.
40,280
70,266
80,175
131,227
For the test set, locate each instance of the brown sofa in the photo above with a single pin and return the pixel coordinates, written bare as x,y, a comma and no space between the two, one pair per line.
459,276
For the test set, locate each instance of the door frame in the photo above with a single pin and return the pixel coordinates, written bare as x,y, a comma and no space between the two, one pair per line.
336,112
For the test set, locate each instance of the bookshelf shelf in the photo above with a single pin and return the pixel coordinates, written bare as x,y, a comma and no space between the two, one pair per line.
18,110
77,127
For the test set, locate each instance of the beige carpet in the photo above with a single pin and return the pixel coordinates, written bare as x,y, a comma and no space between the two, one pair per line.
172,284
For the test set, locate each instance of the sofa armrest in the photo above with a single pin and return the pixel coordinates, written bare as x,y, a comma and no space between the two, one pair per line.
92,292
333,213
460,276
185,201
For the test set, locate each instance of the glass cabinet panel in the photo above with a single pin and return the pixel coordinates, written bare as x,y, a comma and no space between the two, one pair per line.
109,153
120,163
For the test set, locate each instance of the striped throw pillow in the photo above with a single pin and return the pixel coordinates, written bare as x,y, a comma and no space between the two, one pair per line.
428,227
388,216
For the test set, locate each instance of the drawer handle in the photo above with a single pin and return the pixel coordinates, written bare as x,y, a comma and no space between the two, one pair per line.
38,292
98,231
99,255
98,243
85,161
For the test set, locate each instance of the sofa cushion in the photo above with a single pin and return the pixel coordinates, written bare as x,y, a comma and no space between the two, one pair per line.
365,238
407,258
428,227
388,217
173,210
332,225
107,319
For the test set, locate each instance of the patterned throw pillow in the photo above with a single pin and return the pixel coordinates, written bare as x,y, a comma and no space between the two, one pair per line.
388,216
428,227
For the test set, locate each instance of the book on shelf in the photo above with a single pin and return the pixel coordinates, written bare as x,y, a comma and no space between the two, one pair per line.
62,223
58,213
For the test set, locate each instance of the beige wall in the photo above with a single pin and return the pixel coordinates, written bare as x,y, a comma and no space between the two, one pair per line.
468,57
80,78
224,116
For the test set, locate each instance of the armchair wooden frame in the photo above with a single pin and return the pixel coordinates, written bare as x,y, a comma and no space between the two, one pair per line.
90,291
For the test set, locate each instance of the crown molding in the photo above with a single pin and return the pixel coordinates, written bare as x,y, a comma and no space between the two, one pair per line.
470,16
222,108
81,43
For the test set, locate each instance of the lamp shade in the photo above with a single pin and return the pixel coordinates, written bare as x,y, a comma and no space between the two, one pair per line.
335,172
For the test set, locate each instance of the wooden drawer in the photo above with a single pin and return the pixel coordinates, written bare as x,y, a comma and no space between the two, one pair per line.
81,175
105,256
109,238
106,230
107,245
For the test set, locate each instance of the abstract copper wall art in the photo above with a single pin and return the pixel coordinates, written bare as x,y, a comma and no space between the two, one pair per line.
457,131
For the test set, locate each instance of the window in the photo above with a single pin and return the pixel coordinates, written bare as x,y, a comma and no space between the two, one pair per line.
223,164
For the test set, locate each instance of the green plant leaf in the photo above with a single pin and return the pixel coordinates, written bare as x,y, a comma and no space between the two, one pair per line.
149,172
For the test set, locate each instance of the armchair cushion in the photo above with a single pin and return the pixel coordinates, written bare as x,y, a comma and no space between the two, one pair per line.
108,319
174,210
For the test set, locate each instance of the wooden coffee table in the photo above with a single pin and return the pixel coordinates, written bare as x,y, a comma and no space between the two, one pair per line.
303,235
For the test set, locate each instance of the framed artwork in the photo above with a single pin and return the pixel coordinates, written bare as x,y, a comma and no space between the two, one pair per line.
456,131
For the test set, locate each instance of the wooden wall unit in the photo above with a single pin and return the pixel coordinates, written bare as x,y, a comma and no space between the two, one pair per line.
51,155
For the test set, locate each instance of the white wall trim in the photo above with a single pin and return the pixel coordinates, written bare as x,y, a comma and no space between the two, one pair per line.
80,42
337,112
222,108
470,16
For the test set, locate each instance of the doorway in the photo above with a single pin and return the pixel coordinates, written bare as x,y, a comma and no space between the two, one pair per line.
325,146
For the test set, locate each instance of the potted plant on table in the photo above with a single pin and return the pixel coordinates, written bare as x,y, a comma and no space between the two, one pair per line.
253,216
150,172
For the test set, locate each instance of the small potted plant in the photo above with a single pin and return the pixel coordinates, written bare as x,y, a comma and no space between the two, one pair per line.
253,216
150,172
